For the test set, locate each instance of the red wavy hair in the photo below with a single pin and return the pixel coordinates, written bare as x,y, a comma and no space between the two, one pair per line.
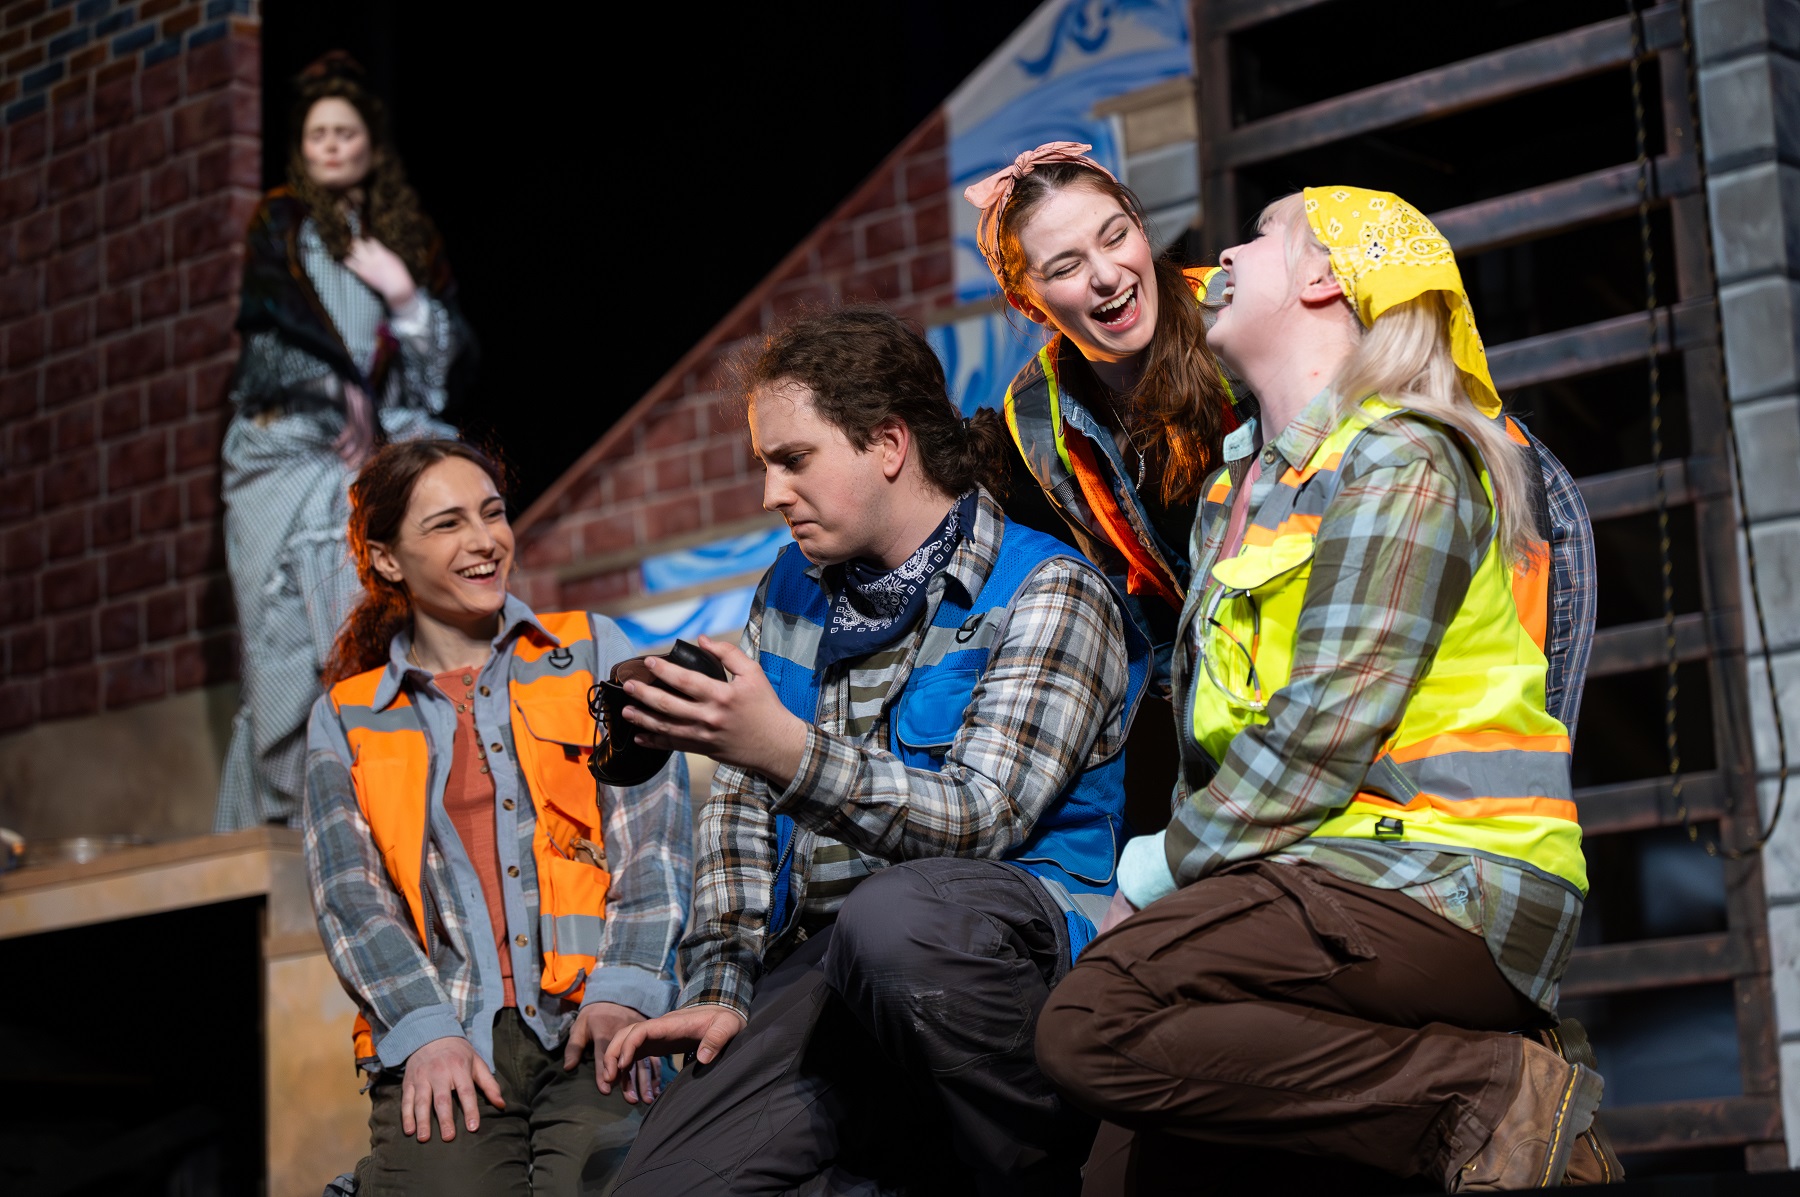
378,500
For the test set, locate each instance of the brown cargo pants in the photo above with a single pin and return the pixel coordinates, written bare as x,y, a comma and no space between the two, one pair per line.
1280,1006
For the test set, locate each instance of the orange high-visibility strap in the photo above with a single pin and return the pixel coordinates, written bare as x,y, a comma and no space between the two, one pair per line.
1143,574
1481,808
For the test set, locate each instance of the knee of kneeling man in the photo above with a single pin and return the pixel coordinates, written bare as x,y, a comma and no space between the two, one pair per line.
885,924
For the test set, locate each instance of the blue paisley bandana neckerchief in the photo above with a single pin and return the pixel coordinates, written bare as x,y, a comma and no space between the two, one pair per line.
875,607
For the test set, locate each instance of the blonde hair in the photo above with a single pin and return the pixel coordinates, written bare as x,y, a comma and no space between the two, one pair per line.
1404,357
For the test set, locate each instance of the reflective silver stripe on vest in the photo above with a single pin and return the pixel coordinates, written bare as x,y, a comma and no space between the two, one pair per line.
1309,498
1035,435
1508,773
572,934
1091,906
397,718
791,636
976,634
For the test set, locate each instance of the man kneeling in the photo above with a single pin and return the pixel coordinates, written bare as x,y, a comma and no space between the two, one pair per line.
916,818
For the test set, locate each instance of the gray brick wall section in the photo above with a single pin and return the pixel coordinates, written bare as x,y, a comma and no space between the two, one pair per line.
1748,52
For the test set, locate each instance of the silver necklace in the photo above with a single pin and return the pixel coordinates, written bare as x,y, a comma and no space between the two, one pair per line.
1130,439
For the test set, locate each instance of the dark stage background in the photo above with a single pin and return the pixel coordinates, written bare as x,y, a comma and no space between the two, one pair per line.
609,186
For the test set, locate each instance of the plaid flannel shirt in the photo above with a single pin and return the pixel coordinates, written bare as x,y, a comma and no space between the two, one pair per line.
412,993
1572,593
1052,702
1392,563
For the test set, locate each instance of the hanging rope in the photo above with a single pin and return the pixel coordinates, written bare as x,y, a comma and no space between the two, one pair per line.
1672,688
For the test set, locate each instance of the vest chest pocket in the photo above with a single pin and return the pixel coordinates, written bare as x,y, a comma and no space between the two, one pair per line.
930,713
1246,632
571,918
1257,567
554,740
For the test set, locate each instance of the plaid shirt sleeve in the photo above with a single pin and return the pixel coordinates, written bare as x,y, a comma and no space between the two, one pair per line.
368,932
1572,597
1051,701
734,848
649,849
1393,559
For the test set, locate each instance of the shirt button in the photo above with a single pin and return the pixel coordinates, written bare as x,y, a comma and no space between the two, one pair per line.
1268,457
531,1012
507,805
468,679
495,747
485,691
521,939
512,870
460,708
484,768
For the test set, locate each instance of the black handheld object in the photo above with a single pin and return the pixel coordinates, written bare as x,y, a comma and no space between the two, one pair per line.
618,759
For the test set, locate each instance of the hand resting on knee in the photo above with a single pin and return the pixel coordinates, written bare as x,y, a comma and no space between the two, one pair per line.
435,1071
701,1030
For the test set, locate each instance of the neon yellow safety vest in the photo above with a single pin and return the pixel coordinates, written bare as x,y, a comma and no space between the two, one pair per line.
1476,763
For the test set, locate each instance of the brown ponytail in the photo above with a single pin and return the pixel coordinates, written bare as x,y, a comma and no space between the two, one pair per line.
378,501
990,449
867,367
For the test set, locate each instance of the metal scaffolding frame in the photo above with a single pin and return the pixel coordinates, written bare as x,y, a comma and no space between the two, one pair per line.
1687,331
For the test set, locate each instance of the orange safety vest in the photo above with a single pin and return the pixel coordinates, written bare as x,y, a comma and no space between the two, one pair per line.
392,772
1066,466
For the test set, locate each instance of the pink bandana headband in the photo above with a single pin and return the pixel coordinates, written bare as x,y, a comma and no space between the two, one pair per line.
991,194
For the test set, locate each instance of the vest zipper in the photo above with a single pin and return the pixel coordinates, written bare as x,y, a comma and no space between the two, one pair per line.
794,914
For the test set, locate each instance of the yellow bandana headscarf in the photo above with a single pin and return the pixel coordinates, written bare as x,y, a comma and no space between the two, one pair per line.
1384,251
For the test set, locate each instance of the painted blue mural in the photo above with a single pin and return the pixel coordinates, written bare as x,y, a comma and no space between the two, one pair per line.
751,552
722,613
1042,85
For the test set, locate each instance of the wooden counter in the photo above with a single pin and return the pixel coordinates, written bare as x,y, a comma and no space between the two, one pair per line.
315,1121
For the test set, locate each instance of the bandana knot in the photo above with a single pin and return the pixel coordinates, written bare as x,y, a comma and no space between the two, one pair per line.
992,193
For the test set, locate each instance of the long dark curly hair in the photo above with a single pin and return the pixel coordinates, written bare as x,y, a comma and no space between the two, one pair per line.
388,207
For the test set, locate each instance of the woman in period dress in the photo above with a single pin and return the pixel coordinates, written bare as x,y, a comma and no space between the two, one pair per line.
350,327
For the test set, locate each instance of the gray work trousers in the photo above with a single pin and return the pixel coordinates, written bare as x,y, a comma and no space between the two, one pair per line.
892,1051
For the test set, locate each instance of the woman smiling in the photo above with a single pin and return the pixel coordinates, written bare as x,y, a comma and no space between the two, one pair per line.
1374,874
492,917
1121,415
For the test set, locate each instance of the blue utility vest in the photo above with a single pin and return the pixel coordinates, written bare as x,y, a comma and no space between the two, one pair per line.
1074,846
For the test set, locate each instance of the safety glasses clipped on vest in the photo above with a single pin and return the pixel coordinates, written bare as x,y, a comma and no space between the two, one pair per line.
619,760
1226,658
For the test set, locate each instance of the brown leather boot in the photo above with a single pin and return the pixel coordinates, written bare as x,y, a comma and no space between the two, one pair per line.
1592,1160
1530,1147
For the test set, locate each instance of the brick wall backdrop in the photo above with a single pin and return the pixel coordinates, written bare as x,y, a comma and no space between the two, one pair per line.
679,462
131,164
